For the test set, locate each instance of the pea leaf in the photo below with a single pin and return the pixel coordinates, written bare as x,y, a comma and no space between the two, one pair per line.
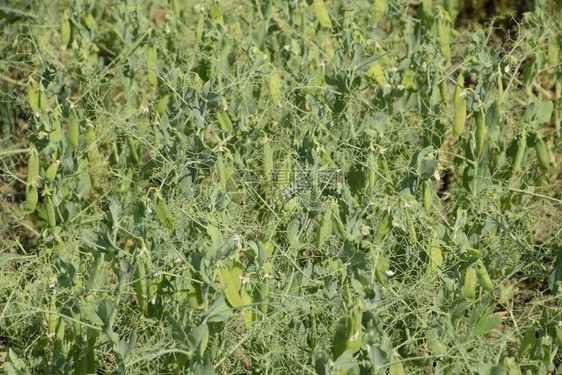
487,324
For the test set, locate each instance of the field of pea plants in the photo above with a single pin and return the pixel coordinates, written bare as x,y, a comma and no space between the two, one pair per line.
281,187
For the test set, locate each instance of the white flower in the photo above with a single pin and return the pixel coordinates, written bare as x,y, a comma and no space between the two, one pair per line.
177,261
148,210
322,65
463,94
144,109
436,175
286,47
238,242
386,86
264,57
389,273
506,69
393,69
401,87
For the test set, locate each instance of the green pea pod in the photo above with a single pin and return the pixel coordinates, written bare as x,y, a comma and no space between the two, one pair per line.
34,96
435,257
372,173
56,130
141,285
426,6
354,329
73,131
324,230
267,160
221,172
76,326
444,33
51,172
558,329
411,229
542,155
33,167
480,131
195,295
312,338
469,289
162,104
90,138
65,31
52,318
133,154
379,7
275,87
339,343
151,281
443,92
31,198
500,88
483,277
322,14
384,167
426,191
285,173
553,54
59,340
384,227
521,147
459,107
151,58
90,360
528,339
50,208
163,213
380,270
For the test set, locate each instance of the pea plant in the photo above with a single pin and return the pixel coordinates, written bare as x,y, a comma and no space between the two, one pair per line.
271,187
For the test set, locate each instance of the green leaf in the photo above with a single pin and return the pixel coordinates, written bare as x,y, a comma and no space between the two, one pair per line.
435,343
197,339
4,258
487,324
176,332
544,112
219,311
124,348
224,121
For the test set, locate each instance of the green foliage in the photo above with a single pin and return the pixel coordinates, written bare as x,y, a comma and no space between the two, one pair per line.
326,187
